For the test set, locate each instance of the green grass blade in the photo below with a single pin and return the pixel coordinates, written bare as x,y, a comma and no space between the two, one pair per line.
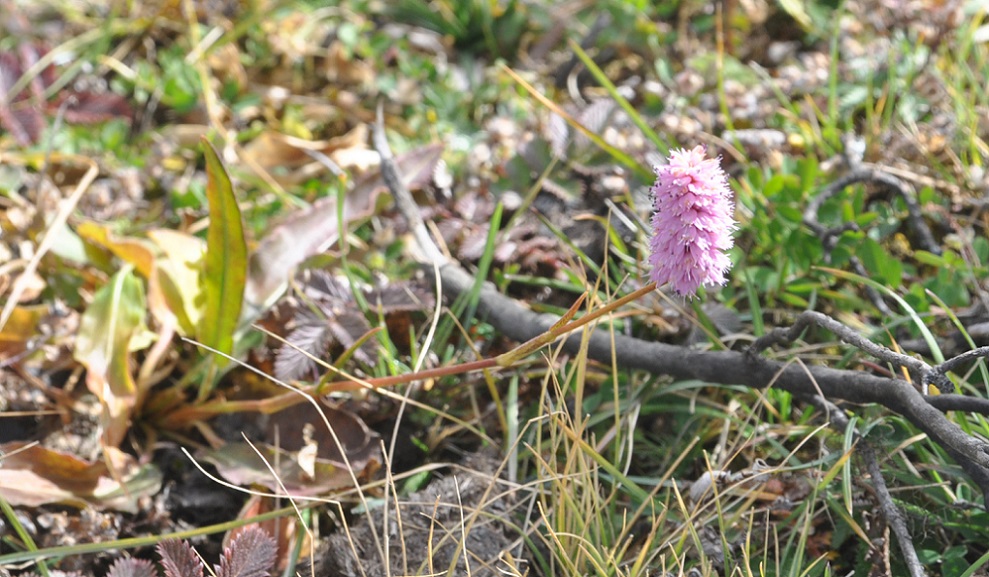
936,353
979,563
641,171
961,329
484,265
633,114
22,533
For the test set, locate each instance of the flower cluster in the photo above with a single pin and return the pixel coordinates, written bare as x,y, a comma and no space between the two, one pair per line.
692,223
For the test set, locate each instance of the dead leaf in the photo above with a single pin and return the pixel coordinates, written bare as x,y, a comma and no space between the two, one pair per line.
226,63
32,476
240,464
310,231
33,285
289,159
271,149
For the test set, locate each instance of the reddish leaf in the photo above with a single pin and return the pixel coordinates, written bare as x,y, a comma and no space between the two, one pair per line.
24,124
251,554
22,120
131,567
179,559
94,107
292,362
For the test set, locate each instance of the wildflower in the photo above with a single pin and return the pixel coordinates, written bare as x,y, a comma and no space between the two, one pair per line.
692,223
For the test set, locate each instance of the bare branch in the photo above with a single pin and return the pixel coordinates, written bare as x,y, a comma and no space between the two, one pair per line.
893,516
403,198
721,367
846,334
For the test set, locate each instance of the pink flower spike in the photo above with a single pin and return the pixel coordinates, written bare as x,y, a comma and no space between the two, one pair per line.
692,222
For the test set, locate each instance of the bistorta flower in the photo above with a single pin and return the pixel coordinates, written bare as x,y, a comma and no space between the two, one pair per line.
692,222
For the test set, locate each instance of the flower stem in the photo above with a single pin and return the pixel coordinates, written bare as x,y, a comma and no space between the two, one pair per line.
561,328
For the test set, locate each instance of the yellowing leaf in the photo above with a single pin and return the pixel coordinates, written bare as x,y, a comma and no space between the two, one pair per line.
225,267
113,326
21,327
176,277
134,251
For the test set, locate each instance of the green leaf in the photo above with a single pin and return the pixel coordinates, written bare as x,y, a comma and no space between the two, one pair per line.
225,265
928,258
881,263
773,186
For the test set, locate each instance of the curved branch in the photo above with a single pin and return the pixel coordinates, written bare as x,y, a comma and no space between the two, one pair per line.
860,173
846,334
964,403
734,368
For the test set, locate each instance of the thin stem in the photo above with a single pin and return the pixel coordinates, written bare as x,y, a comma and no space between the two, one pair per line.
531,346
270,405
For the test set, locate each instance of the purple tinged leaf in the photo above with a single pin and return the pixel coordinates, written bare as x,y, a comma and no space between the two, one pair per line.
179,560
596,117
401,297
558,135
250,554
92,107
131,567
25,124
311,337
348,327
316,335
